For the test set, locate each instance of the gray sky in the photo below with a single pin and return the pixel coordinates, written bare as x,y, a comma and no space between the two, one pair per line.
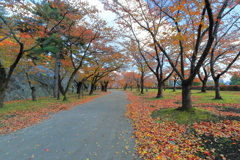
106,15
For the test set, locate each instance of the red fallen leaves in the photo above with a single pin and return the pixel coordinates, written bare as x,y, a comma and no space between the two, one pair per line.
168,140
35,115
225,128
207,152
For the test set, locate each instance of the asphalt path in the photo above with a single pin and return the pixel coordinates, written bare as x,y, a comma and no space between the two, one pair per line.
92,131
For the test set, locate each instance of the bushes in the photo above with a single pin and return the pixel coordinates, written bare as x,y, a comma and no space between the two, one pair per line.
230,88
222,87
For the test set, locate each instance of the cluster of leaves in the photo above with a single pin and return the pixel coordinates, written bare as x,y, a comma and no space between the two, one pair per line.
23,113
164,138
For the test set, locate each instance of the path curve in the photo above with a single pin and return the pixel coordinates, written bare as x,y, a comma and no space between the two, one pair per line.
92,131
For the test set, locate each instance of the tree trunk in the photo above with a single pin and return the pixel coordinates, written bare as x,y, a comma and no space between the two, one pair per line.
217,88
142,90
2,95
33,93
204,86
186,96
3,85
174,85
56,77
61,89
79,89
102,86
138,87
82,89
142,83
160,90
125,87
92,89
33,89
86,87
65,98
68,85
105,86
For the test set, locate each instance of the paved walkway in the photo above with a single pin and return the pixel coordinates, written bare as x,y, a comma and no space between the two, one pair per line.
93,131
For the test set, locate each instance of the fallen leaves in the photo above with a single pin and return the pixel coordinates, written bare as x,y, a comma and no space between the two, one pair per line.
23,118
169,140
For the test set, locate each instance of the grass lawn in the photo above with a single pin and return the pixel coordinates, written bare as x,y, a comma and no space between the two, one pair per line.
19,114
210,130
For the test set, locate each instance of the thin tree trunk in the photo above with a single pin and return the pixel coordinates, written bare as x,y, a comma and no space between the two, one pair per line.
56,77
174,85
33,89
65,98
217,89
61,89
33,93
142,83
186,96
86,87
79,89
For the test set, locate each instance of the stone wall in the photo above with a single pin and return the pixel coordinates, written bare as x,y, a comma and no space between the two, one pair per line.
18,87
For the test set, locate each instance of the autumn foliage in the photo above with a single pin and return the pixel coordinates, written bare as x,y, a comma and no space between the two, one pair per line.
161,139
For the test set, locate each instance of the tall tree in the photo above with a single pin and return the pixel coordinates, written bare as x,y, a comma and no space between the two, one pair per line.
188,22
225,52
27,32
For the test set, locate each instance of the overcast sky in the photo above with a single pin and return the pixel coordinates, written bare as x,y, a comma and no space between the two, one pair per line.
106,15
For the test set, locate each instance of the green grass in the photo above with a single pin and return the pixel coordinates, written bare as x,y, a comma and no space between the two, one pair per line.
208,97
184,117
228,97
196,114
23,105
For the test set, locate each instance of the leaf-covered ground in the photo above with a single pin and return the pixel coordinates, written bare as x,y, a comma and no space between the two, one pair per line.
20,114
162,137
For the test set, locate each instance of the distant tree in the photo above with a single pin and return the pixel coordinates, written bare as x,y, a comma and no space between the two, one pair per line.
235,79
